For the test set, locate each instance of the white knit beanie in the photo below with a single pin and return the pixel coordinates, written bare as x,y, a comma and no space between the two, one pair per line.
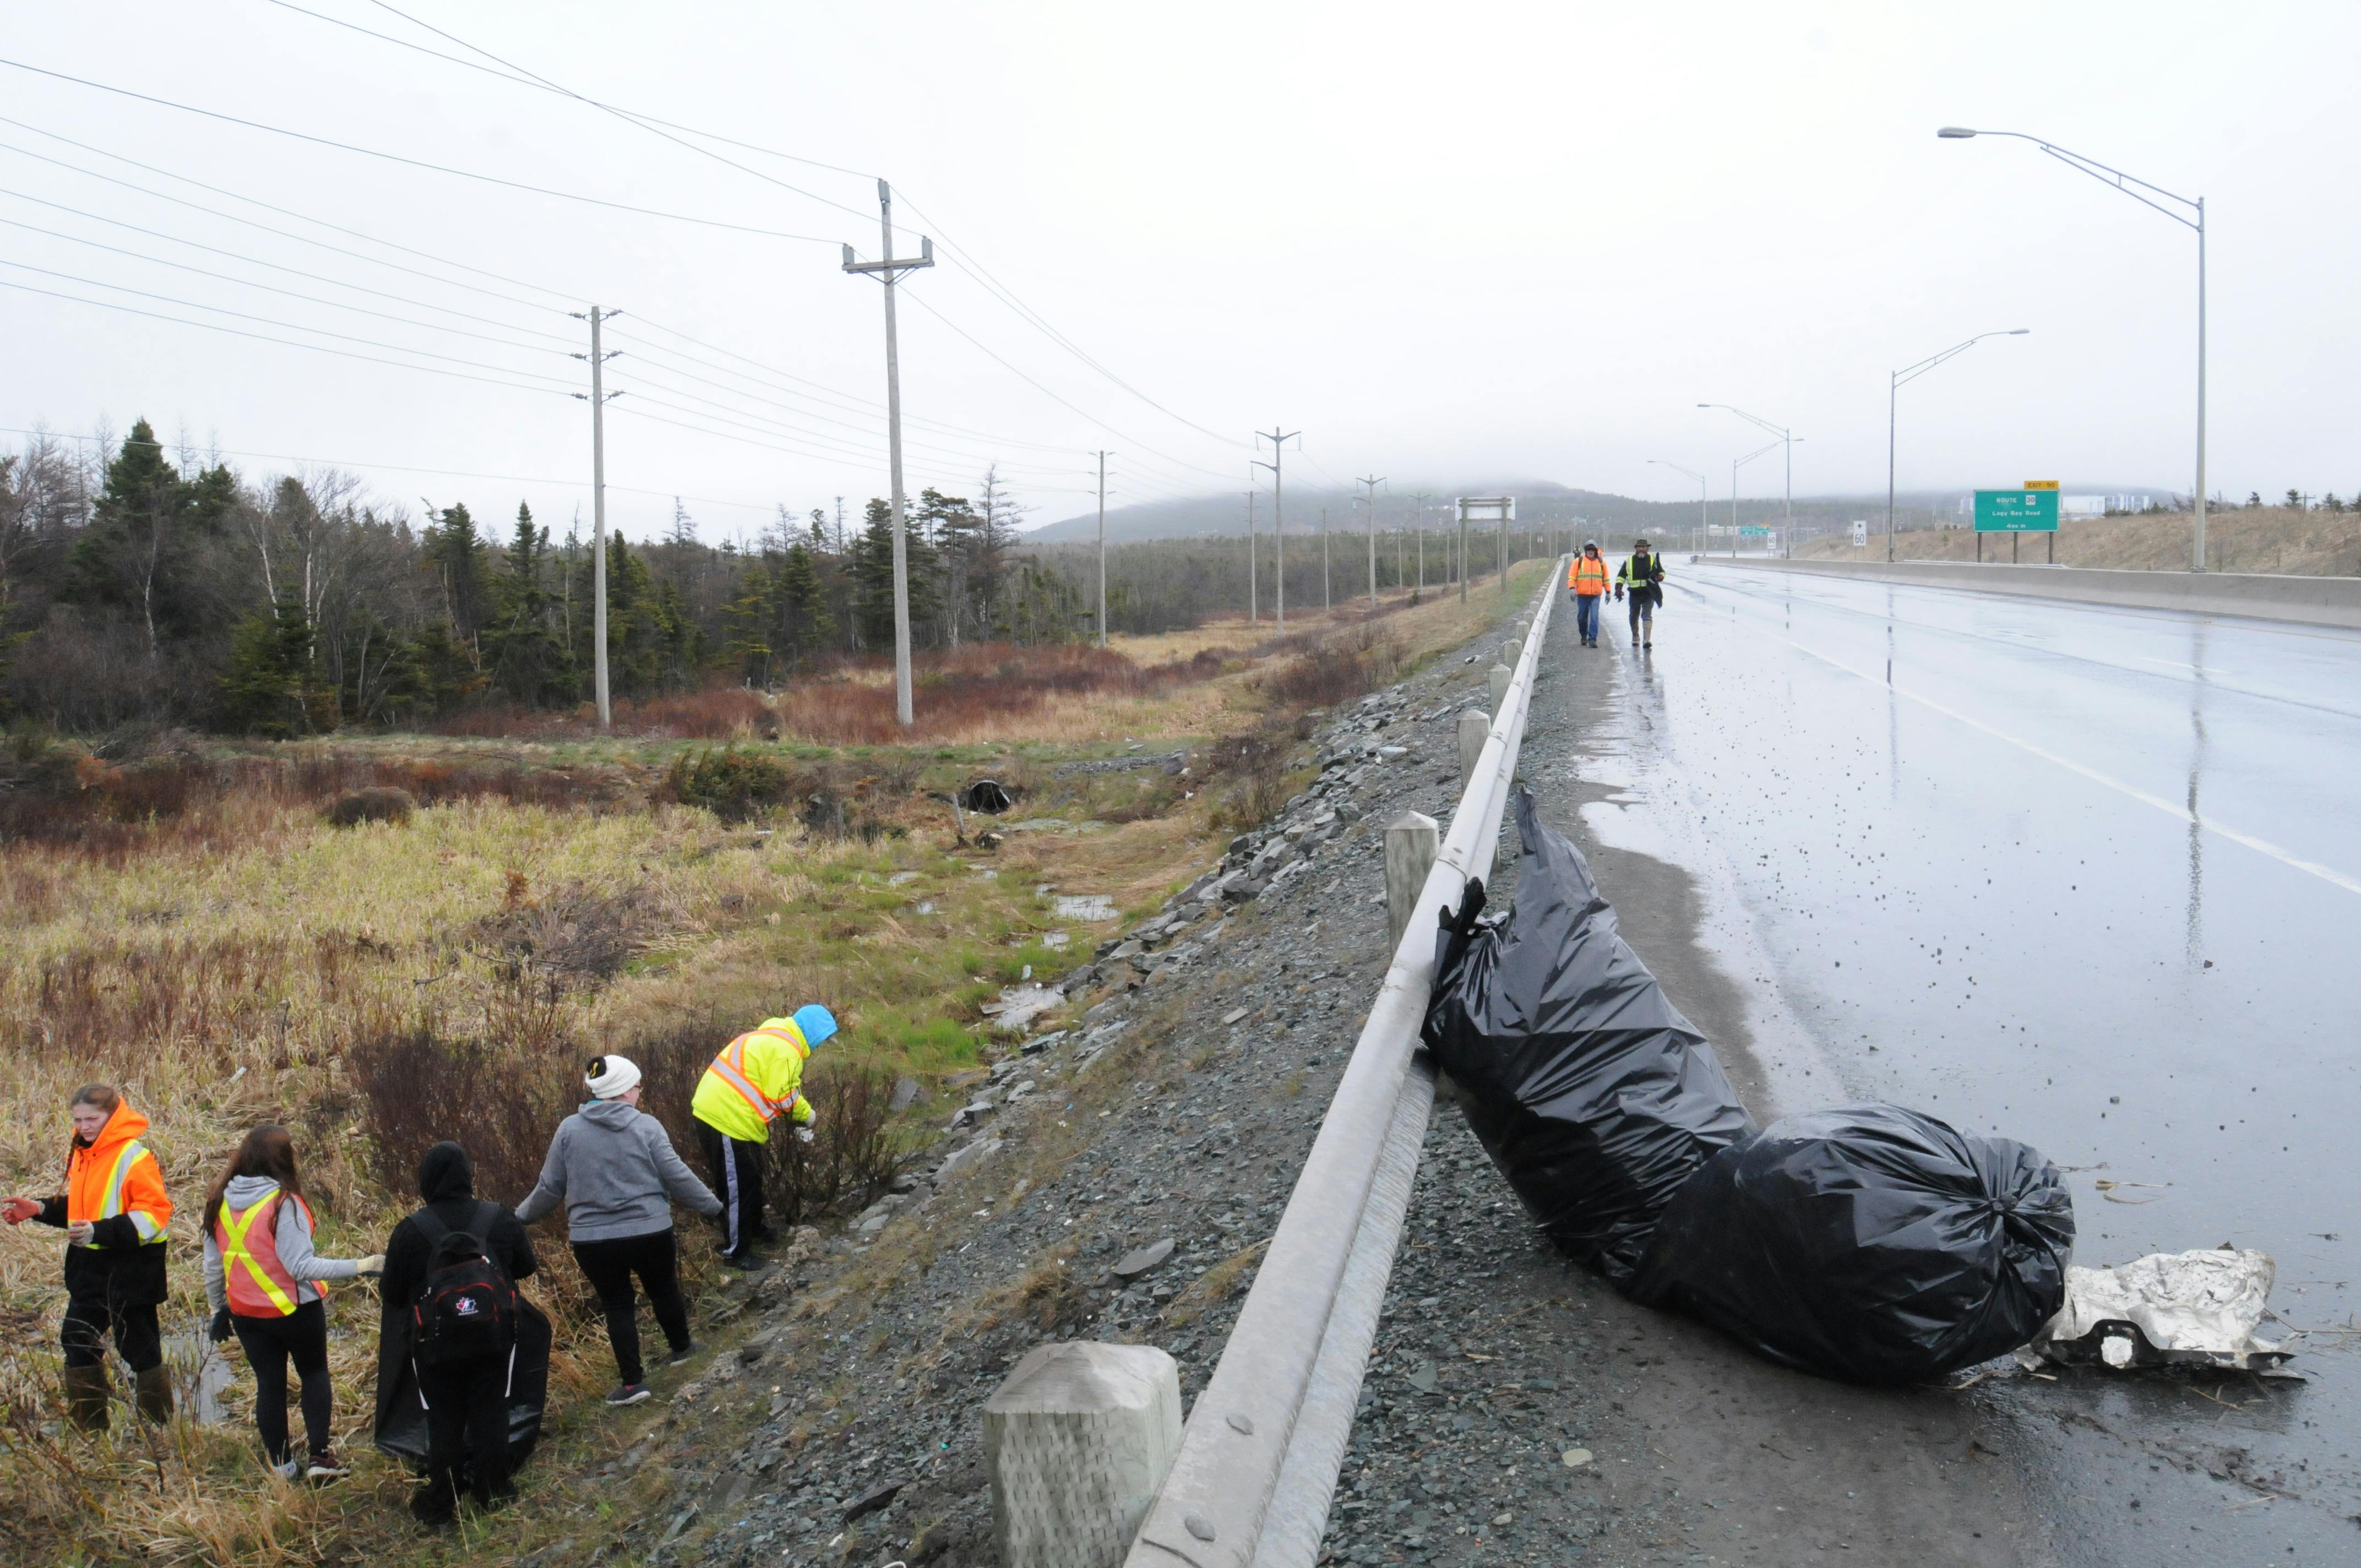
611,1077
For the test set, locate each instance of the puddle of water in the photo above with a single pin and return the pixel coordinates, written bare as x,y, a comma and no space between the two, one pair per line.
201,1373
1089,906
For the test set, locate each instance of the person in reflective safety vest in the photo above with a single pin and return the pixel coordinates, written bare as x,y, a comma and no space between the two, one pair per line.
1587,578
113,1212
757,1079
262,1278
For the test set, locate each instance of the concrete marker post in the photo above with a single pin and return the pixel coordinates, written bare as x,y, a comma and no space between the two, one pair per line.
1475,724
1500,676
1078,1440
1412,842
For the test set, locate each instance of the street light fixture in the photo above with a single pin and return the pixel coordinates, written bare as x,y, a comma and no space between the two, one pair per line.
1700,479
2193,219
1894,385
1787,438
1735,465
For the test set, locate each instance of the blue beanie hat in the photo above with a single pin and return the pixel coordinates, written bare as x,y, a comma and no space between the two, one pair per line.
816,1022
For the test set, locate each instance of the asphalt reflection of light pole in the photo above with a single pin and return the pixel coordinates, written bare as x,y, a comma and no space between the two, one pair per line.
1788,439
1702,483
2197,684
1894,384
2194,218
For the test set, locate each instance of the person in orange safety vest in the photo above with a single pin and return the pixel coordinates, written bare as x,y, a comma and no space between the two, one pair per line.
113,1212
757,1079
1587,578
262,1278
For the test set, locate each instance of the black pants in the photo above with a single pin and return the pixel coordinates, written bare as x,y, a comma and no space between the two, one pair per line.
1643,611
270,1344
737,1167
608,1265
90,1319
467,1433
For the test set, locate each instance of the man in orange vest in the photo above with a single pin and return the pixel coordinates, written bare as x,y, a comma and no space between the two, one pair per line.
1587,578
757,1078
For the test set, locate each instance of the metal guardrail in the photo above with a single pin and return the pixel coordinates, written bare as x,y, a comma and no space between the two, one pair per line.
1264,1442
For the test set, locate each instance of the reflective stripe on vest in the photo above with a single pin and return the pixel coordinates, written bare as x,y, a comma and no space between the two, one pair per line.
112,1205
730,1068
252,1276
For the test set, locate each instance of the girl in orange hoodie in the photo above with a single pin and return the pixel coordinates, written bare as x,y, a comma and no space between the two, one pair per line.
113,1212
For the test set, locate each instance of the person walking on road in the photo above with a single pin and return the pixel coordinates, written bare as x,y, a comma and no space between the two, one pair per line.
262,1278
616,1171
466,1397
757,1078
1643,578
1587,578
113,1212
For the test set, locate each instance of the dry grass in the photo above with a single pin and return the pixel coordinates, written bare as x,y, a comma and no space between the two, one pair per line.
2271,540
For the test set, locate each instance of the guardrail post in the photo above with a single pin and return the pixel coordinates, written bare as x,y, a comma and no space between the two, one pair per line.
1078,1440
1500,686
1412,844
1475,724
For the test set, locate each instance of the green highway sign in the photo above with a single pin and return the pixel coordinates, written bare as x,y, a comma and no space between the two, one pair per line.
2016,512
1746,527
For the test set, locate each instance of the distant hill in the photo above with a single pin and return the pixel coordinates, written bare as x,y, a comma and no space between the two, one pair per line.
1537,501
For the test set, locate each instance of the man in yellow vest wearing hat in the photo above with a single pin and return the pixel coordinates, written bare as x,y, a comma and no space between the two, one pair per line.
757,1078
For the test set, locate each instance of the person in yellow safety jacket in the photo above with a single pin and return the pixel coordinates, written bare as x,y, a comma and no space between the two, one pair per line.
113,1212
1587,578
262,1278
757,1079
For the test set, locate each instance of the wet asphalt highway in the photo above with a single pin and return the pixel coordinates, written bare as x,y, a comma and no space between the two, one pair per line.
2090,878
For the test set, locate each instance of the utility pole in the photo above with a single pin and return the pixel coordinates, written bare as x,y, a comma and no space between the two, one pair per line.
889,271
598,396
1373,481
1463,552
1103,625
1254,605
1327,564
1279,439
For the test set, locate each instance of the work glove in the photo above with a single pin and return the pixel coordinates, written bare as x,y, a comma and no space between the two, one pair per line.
803,1135
1619,594
219,1330
373,1264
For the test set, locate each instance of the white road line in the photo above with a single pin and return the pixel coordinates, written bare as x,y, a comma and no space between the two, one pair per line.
2170,807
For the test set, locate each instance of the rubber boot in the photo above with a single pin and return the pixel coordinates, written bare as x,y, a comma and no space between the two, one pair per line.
86,1397
155,1395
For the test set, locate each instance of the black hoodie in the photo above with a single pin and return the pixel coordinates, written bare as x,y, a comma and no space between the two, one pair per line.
446,1181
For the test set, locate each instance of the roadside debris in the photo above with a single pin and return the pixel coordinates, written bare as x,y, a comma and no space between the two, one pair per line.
1868,1243
2169,1308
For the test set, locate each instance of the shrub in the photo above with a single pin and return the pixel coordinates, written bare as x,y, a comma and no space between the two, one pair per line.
418,1087
732,785
375,804
1250,770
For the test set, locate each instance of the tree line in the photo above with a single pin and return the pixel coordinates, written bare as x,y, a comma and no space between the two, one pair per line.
161,591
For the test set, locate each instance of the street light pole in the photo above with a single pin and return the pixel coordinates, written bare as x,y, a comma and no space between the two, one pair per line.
1702,487
2194,219
1736,464
1786,438
1894,385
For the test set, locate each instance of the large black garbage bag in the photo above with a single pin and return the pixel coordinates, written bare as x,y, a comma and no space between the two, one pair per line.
1592,1093
402,1416
1867,1242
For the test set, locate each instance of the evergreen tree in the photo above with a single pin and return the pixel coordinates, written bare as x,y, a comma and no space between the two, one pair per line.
265,690
141,551
804,599
456,552
521,649
871,569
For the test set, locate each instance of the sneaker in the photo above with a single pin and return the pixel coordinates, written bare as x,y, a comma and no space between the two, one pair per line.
745,1263
327,1467
630,1394
683,1353
288,1471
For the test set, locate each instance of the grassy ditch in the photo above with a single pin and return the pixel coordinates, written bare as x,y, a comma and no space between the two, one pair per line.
194,927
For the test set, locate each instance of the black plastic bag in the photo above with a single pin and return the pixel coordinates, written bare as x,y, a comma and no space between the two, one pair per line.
401,1427
1868,1243
1592,1093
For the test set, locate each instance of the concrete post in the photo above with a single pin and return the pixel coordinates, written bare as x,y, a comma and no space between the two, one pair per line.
1078,1441
1475,724
1500,676
1412,844
1518,630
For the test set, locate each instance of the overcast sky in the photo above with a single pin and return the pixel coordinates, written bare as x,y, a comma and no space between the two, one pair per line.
1447,244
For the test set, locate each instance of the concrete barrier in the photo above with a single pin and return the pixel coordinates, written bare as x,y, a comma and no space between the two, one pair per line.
1077,1441
2315,601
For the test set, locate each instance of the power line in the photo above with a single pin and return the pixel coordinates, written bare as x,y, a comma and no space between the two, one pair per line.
290,343
417,162
290,293
846,452
524,76
300,217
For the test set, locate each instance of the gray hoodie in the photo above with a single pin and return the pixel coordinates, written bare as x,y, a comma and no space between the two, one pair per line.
617,1174
293,1226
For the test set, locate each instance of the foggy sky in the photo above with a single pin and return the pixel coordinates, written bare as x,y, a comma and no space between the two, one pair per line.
1442,242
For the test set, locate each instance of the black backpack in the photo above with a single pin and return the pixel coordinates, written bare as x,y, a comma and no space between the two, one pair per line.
467,1308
